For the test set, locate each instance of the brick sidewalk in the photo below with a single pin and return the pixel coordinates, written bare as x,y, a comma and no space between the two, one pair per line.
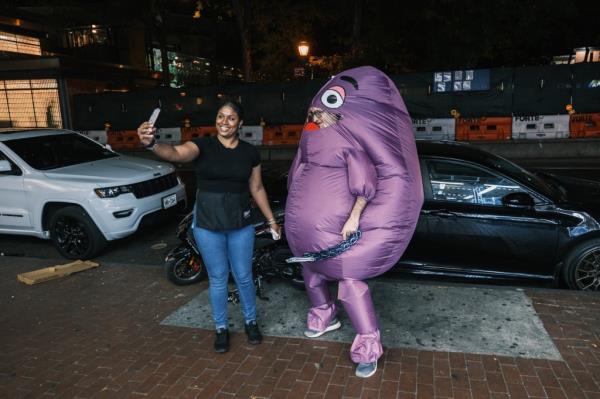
96,334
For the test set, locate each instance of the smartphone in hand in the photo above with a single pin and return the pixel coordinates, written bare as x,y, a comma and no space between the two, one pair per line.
154,116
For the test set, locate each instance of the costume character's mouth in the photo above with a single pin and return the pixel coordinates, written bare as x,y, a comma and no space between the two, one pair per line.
311,126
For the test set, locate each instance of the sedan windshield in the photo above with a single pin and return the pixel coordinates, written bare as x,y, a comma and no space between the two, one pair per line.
526,177
52,152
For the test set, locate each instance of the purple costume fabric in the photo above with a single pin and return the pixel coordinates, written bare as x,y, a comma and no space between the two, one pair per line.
358,141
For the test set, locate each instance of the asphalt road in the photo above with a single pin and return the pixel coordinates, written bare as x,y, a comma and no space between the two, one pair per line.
147,247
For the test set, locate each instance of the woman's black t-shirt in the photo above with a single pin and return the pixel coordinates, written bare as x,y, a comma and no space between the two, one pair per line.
220,169
222,197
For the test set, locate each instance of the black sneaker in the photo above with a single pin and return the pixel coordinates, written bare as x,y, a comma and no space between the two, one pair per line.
254,335
222,340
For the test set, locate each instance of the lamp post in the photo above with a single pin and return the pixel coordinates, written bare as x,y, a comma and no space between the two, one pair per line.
303,50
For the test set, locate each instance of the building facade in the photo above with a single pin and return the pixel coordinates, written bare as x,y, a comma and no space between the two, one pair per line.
48,55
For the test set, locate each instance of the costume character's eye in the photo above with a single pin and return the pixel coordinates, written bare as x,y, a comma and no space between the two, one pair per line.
333,97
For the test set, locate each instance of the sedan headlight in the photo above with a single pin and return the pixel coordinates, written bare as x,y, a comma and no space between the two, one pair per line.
111,192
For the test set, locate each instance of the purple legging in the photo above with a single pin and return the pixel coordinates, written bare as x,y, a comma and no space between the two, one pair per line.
356,298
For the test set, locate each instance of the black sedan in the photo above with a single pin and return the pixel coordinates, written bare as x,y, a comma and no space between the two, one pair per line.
485,217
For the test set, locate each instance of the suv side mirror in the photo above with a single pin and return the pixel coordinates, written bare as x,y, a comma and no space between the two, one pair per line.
5,166
518,200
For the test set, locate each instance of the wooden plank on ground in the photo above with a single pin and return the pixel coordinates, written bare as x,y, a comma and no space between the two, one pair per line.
54,272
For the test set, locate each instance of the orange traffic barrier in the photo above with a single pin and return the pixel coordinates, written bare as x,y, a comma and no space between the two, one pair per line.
123,139
272,135
188,133
282,134
485,128
584,125
292,133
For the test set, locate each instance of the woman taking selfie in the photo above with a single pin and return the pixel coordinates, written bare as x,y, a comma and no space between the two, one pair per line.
228,171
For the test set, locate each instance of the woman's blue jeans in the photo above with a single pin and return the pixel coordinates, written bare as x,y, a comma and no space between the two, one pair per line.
219,250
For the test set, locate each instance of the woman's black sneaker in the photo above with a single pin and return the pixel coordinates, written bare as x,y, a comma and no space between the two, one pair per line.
254,335
222,340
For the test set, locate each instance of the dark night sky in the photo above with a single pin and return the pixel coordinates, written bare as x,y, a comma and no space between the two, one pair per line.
429,34
399,36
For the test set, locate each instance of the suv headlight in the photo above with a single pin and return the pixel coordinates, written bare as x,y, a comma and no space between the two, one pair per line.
111,192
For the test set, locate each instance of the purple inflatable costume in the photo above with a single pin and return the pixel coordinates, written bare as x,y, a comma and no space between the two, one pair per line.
357,142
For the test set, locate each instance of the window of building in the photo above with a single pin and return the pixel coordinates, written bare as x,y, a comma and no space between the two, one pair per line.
29,103
188,70
87,36
10,42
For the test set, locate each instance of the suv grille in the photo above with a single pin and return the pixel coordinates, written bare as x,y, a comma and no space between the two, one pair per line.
151,187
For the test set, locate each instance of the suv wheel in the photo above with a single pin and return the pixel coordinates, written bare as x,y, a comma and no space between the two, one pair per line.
581,270
74,233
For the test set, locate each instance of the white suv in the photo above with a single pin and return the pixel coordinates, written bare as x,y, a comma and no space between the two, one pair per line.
60,185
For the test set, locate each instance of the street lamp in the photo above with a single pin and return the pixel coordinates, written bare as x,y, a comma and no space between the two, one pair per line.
303,48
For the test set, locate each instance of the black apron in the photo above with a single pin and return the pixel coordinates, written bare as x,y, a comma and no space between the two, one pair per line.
222,211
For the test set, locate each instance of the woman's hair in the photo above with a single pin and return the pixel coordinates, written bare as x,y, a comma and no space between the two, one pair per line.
235,106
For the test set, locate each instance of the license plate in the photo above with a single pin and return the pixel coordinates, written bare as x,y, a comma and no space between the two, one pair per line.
169,201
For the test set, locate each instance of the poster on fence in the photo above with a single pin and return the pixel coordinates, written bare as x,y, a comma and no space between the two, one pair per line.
461,80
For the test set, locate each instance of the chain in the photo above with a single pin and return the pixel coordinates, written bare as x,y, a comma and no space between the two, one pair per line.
329,252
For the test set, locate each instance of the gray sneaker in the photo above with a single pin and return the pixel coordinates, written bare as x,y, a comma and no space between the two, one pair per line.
365,370
333,325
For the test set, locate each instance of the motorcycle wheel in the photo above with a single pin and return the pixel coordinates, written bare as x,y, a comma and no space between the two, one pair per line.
183,267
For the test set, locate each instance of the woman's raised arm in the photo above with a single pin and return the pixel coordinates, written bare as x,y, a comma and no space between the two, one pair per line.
185,152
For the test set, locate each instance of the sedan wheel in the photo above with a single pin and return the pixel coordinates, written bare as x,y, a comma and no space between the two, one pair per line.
582,267
74,234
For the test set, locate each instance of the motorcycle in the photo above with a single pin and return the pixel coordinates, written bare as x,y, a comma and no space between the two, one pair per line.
184,264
